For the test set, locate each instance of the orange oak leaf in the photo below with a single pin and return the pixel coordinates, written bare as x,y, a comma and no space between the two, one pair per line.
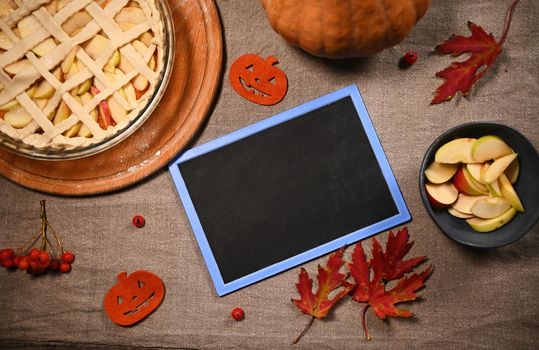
386,267
329,279
483,49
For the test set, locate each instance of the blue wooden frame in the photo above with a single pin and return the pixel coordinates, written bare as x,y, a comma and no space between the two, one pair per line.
402,216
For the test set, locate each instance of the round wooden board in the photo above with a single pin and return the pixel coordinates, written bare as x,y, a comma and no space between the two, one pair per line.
181,112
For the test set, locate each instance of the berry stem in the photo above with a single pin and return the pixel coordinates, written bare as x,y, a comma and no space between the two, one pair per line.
24,247
364,322
508,19
305,330
43,217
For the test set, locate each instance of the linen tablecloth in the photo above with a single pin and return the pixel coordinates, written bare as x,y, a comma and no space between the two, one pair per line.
474,299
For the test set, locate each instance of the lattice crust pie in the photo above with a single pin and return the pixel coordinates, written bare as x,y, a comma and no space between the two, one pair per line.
75,72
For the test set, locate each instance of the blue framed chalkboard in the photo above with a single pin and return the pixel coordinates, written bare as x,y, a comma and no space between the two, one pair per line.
288,189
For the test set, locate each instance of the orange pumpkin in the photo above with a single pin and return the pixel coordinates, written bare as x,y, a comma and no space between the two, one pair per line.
134,297
344,28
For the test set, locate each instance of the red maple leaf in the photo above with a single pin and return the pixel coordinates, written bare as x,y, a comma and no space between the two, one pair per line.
329,279
386,267
483,49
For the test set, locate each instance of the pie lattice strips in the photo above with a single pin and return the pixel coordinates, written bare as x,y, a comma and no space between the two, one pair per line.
73,73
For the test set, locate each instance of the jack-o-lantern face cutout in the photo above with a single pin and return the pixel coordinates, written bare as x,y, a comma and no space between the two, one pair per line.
134,297
258,80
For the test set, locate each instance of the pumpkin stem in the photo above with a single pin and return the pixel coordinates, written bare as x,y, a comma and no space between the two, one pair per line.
305,330
508,19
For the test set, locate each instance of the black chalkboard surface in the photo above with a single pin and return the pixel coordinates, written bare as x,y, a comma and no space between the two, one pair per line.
288,189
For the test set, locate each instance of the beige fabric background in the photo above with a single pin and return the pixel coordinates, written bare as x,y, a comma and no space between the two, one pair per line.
474,300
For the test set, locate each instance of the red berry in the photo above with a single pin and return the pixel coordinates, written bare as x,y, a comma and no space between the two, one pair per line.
64,267
139,221
24,263
44,259
68,257
410,57
34,264
238,314
55,264
17,259
34,253
7,263
6,253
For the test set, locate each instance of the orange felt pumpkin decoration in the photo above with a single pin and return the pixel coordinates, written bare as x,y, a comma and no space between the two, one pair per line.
344,28
258,80
134,297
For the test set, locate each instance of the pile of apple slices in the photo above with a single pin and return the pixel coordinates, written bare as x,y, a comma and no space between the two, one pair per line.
473,179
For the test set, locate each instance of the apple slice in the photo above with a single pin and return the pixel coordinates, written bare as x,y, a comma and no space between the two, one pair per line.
458,214
132,15
489,208
96,45
113,61
509,193
146,38
475,171
494,189
489,147
464,182
438,173
105,119
488,225
68,61
17,67
465,203
130,94
498,167
77,21
17,118
44,47
441,195
84,87
512,171
456,151
28,25
45,90
116,111
13,104
85,99
62,113
5,42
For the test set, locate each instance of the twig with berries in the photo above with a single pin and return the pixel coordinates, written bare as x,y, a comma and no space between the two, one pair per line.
37,261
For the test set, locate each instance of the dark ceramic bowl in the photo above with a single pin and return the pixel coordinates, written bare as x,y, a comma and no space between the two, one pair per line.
527,188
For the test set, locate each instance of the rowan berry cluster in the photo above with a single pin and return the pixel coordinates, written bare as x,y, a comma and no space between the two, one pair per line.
37,261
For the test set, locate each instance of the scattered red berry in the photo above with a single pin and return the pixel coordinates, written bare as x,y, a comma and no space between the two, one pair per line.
139,221
410,57
6,253
238,314
68,257
64,267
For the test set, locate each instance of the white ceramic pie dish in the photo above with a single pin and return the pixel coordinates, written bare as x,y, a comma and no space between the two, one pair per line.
123,131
